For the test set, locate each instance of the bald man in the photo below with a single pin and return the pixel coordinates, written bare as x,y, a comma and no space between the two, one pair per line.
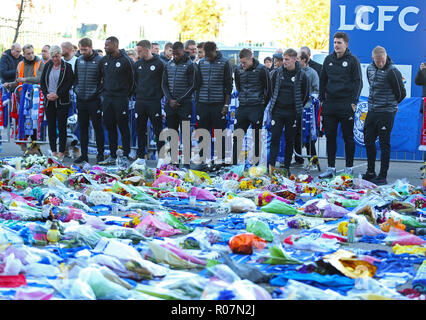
68,53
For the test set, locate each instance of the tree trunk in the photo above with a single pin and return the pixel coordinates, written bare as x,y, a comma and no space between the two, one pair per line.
18,24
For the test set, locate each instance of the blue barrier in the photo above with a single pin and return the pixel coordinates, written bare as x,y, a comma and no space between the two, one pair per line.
405,137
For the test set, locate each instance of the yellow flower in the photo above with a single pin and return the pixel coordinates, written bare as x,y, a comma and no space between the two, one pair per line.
243,185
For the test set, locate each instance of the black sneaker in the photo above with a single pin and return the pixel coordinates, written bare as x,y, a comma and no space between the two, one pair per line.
379,181
81,159
186,166
99,158
369,176
108,162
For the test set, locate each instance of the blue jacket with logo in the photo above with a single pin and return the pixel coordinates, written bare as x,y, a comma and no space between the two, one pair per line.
148,76
117,74
341,79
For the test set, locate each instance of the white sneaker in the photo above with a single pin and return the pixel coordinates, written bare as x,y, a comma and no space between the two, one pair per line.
349,170
329,173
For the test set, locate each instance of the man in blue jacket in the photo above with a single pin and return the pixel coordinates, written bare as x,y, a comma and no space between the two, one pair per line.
9,62
340,88
148,72
178,86
254,92
386,91
118,80
215,84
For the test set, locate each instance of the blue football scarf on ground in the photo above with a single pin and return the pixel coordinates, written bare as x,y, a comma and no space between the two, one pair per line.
23,109
334,282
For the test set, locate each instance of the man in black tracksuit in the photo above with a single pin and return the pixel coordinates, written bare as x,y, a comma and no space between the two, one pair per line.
118,81
214,91
386,92
254,92
290,94
148,73
87,87
178,86
340,87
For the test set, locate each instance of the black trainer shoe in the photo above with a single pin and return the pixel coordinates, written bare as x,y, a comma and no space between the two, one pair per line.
108,162
379,181
99,158
81,159
369,176
186,166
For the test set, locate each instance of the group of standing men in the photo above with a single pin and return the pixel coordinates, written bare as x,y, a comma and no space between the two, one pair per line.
103,86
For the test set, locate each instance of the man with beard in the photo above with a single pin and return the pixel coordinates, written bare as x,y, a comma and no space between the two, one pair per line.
87,87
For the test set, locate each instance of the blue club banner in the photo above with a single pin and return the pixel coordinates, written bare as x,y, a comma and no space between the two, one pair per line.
405,135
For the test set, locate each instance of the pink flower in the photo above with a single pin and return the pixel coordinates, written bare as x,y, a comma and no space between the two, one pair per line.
268,198
55,201
235,176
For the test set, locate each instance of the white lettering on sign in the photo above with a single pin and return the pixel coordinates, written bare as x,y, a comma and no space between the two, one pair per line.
383,17
358,20
385,14
402,15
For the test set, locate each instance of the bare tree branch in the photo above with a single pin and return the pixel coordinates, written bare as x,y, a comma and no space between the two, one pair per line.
19,22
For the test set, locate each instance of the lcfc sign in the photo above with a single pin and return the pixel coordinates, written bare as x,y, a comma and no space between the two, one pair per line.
364,19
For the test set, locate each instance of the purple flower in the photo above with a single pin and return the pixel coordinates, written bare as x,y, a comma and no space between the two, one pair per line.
294,224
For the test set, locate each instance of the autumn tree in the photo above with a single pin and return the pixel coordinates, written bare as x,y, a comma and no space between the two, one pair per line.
198,19
303,22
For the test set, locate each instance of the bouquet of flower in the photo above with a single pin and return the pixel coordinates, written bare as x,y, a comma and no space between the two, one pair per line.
168,167
272,187
247,184
419,201
286,194
256,171
33,159
264,198
231,176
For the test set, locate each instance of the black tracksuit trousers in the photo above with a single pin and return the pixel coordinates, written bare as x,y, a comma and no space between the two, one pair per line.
378,124
246,116
174,120
282,119
90,110
116,113
144,110
209,115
